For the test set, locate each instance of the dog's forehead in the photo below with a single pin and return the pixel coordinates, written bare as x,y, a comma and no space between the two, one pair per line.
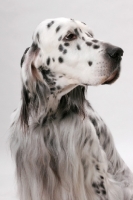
53,26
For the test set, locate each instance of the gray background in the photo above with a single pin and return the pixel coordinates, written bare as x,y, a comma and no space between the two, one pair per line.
111,21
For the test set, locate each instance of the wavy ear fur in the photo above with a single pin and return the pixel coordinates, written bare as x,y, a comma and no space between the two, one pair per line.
24,112
34,90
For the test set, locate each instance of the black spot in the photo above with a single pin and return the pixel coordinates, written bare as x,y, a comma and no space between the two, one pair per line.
97,167
95,41
83,38
40,68
104,192
88,43
60,47
38,37
50,24
97,191
58,28
66,44
101,177
88,34
47,75
50,110
34,47
60,59
80,30
94,185
96,46
102,185
76,31
48,61
73,102
53,59
65,51
78,47
53,83
52,89
60,76
83,23
60,38
89,63
72,19
58,87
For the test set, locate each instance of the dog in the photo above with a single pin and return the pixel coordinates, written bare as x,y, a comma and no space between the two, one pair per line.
62,148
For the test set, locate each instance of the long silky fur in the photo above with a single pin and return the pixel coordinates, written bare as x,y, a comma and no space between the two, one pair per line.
61,154
63,150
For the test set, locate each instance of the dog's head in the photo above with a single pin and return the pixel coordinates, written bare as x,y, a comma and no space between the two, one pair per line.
64,54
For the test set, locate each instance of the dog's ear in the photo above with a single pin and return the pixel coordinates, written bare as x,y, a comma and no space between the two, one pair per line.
23,57
24,111
30,61
30,77
34,89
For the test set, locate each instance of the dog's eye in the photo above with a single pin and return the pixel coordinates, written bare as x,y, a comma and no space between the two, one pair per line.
70,37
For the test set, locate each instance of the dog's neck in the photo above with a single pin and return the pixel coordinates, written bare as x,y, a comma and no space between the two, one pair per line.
43,103
72,102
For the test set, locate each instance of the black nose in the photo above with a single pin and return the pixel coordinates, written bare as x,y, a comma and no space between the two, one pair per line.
115,52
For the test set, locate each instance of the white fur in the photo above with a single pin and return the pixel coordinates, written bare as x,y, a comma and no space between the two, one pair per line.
63,149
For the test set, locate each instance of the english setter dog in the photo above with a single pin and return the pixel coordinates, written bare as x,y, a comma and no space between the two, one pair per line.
62,148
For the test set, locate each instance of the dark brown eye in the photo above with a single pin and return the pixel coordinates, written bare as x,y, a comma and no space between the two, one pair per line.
70,37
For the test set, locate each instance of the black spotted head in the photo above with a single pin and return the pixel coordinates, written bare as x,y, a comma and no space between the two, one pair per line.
68,50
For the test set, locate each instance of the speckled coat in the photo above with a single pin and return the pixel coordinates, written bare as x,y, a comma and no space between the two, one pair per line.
62,148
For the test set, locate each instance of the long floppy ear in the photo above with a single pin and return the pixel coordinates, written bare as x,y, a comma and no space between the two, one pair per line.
23,57
30,77
34,89
24,112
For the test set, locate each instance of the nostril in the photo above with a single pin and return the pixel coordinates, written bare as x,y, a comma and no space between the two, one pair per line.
115,53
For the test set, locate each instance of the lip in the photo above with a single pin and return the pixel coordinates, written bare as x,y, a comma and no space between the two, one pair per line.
113,77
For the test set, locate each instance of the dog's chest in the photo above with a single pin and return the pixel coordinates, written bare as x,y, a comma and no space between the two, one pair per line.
76,156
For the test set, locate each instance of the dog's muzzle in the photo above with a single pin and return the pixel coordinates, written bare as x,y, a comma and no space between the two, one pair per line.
114,55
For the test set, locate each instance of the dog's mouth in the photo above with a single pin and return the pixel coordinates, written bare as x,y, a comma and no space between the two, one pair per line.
113,77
